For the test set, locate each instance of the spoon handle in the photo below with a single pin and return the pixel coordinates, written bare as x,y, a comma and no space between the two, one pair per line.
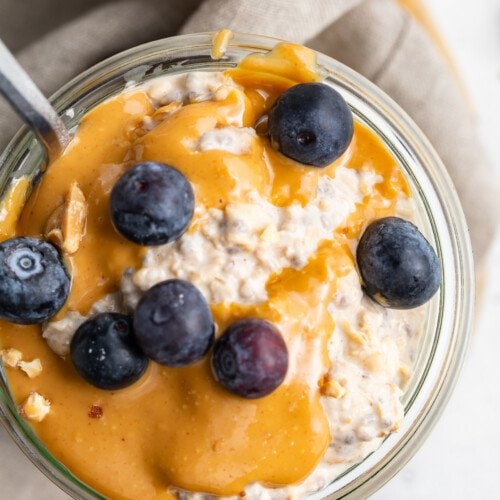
31,105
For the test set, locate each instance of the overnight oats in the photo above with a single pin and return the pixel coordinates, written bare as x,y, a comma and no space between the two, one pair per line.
218,289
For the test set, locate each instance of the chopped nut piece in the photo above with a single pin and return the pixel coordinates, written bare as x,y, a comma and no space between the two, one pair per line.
167,110
95,411
53,230
11,357
332,388
354,336
31,368
150,122
374,362
66,225
36,407
404,374
74,219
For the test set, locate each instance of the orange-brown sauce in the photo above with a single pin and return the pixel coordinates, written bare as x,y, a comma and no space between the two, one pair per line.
177,426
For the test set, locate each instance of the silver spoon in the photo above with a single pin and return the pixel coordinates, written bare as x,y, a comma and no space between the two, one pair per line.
31,105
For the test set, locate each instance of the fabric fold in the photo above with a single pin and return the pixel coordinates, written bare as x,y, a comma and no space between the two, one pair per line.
296,20
377,38
89,37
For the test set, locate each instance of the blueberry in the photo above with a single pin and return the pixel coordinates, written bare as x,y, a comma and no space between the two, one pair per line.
250,358
105,353
173,323
398,266
34,283
152,204
311,123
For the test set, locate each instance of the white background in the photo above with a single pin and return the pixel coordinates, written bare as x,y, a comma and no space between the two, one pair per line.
461,458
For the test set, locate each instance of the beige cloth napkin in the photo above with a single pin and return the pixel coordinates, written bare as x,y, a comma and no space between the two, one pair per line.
56,39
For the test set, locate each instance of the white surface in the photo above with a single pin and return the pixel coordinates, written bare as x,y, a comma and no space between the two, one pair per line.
460,459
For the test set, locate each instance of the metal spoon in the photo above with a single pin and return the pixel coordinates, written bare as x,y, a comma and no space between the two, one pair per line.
31,105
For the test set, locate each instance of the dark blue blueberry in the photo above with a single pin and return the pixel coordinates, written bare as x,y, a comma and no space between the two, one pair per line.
173,323
34,283
152,204
311,123
105,352
398,266
250,358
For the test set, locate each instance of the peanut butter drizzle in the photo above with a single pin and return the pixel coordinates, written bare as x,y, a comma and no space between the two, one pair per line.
12,206
178,427
220,42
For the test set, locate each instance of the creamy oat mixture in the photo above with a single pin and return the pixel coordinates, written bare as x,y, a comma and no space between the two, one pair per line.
230,256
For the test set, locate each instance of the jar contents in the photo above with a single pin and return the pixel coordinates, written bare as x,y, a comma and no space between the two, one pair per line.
188,277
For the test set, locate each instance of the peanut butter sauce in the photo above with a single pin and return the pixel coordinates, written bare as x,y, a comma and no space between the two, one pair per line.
176,426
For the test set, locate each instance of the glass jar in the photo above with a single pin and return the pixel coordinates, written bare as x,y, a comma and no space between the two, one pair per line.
448,324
